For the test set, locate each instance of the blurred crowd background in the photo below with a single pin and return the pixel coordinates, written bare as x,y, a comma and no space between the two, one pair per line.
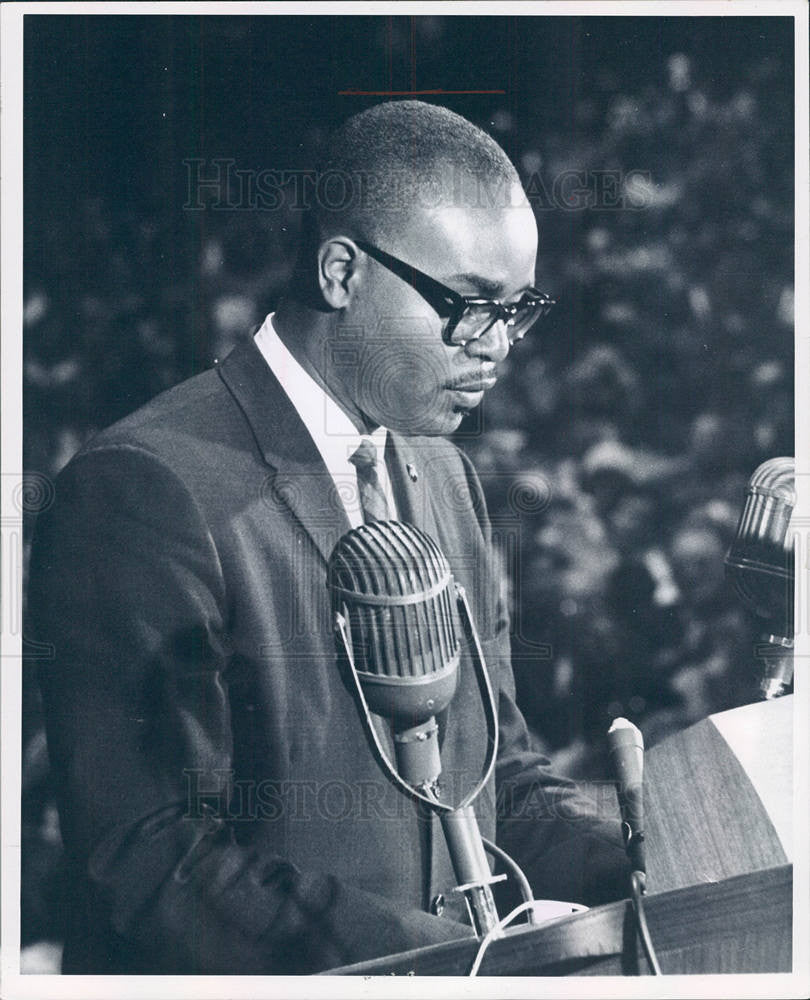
615,449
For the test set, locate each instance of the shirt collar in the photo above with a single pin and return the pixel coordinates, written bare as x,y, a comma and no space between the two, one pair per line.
329,426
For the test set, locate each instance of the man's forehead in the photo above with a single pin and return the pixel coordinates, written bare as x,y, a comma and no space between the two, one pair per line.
499,242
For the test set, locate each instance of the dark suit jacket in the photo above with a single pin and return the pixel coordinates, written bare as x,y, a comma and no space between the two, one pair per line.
221,808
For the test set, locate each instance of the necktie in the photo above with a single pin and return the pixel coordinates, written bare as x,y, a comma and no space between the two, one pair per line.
372,496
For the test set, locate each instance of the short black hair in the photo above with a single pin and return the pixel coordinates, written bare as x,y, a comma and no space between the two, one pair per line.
386,159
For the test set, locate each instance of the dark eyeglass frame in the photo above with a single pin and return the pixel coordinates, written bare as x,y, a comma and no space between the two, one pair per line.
451,305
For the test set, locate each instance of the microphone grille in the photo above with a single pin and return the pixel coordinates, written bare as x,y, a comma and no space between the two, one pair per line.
394,585
388,558
775,478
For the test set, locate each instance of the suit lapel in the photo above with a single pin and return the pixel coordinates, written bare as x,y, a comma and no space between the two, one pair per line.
408,467
300,480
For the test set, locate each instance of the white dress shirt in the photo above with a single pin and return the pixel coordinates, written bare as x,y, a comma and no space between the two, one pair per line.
333,432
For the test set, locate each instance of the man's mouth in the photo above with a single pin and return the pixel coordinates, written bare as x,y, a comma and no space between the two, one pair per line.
480,384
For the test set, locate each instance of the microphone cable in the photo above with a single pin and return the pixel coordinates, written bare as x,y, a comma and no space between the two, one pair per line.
638,908
498,929
496,932
637,898
517,871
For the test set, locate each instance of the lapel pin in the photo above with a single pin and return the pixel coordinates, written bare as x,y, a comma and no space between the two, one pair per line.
412,473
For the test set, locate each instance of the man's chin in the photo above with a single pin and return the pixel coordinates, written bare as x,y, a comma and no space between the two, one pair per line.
437,416
440,426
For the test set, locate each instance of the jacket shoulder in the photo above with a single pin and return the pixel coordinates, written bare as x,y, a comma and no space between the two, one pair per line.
193,429
186,407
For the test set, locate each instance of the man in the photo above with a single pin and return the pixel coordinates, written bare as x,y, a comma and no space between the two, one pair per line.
221,807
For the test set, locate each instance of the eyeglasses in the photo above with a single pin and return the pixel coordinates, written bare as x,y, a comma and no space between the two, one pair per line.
467,317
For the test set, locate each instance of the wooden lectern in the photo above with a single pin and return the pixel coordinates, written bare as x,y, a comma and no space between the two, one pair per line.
718,803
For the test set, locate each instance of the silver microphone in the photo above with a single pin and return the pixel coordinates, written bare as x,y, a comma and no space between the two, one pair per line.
393,586
760,564
397,615
626,747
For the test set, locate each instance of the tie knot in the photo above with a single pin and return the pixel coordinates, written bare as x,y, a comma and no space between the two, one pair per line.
366,455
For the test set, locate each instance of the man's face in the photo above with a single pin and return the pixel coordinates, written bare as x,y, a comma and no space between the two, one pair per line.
407,378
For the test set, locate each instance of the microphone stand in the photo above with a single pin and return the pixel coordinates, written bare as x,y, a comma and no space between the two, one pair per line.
466,847
776,653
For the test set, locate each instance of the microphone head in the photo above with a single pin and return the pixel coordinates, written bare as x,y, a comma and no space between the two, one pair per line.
393,586
626,746
626,732
760,560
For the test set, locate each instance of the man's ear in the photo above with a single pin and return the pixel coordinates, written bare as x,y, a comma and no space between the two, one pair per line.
338,260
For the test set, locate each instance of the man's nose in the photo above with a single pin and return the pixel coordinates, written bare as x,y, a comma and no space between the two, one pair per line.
491,346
